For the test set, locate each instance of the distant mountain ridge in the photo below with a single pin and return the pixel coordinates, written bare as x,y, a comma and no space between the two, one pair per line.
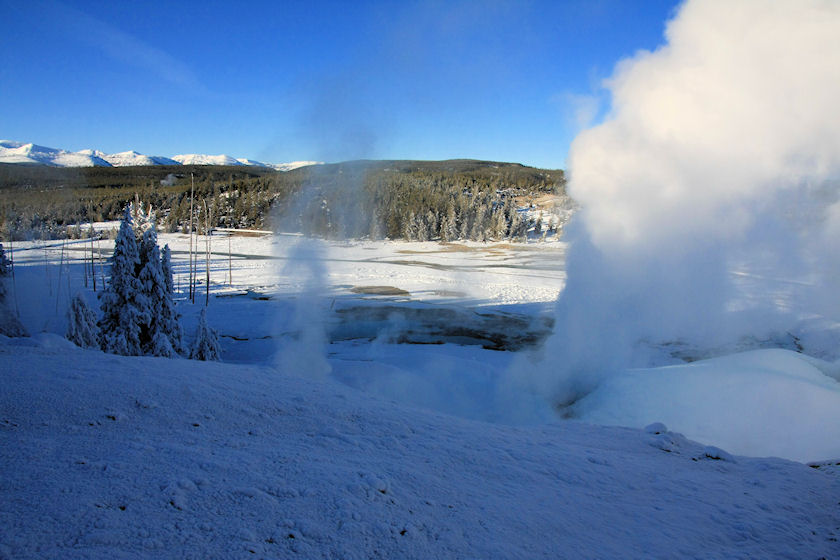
33,154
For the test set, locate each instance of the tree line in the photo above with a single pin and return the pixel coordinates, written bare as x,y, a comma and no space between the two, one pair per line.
457,199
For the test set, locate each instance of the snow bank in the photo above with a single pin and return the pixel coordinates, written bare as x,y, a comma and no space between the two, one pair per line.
105,456
760,403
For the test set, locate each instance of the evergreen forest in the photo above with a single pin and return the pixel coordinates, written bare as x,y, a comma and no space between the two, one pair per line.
415,200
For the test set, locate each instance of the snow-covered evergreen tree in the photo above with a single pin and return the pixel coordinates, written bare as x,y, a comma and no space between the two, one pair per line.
499,224
170,319
10,325
431,225
143,219
206,344
511,217
420,229
81,324
160,335
479,225
449,225
466,223
5,263
409,227
124,307
166,266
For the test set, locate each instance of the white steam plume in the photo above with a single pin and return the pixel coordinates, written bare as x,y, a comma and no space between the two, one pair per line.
305,353
721,154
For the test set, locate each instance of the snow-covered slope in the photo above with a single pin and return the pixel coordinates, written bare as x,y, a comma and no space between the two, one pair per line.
764,402
202,159
124,159
246,161
18,152
33,154
106,456
294,165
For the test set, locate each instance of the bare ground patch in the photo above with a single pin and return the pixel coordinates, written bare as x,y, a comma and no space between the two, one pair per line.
379,291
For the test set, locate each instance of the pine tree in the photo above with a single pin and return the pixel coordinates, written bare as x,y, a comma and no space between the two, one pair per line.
206,344
10,325
160,335
5,263
166,266
466,222
409,232
499,224
511,217
431,225
478,232
142,219
420,229
449,225
170,318
81,324
124,308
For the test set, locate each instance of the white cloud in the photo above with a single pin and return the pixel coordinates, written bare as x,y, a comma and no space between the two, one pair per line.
119,45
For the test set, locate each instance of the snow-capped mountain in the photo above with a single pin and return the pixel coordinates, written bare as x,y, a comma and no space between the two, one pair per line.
18,152
33,154
223,159
202,159
294,165
124,159
246,161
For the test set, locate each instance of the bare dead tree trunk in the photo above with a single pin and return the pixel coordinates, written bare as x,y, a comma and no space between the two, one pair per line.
69,287
206,254
60,270
92,262
84,258
192,274
14,282
99,258
46,264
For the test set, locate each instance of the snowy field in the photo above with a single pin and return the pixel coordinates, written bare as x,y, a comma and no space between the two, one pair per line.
366,409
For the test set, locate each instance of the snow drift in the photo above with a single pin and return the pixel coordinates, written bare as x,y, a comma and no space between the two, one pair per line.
106,456
760,403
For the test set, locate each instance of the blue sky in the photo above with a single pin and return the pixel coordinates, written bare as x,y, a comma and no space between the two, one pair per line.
283,81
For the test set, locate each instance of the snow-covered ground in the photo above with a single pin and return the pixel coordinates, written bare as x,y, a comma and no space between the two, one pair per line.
365,409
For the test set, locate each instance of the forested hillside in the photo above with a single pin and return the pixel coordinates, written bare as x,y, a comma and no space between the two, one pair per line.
454,199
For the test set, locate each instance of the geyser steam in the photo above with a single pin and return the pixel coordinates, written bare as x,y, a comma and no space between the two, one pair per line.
718,162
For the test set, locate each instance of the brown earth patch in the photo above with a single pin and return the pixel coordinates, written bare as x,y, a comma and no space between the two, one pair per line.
379,291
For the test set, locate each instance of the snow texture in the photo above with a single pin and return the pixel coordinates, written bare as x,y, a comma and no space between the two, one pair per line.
765,402
106,456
